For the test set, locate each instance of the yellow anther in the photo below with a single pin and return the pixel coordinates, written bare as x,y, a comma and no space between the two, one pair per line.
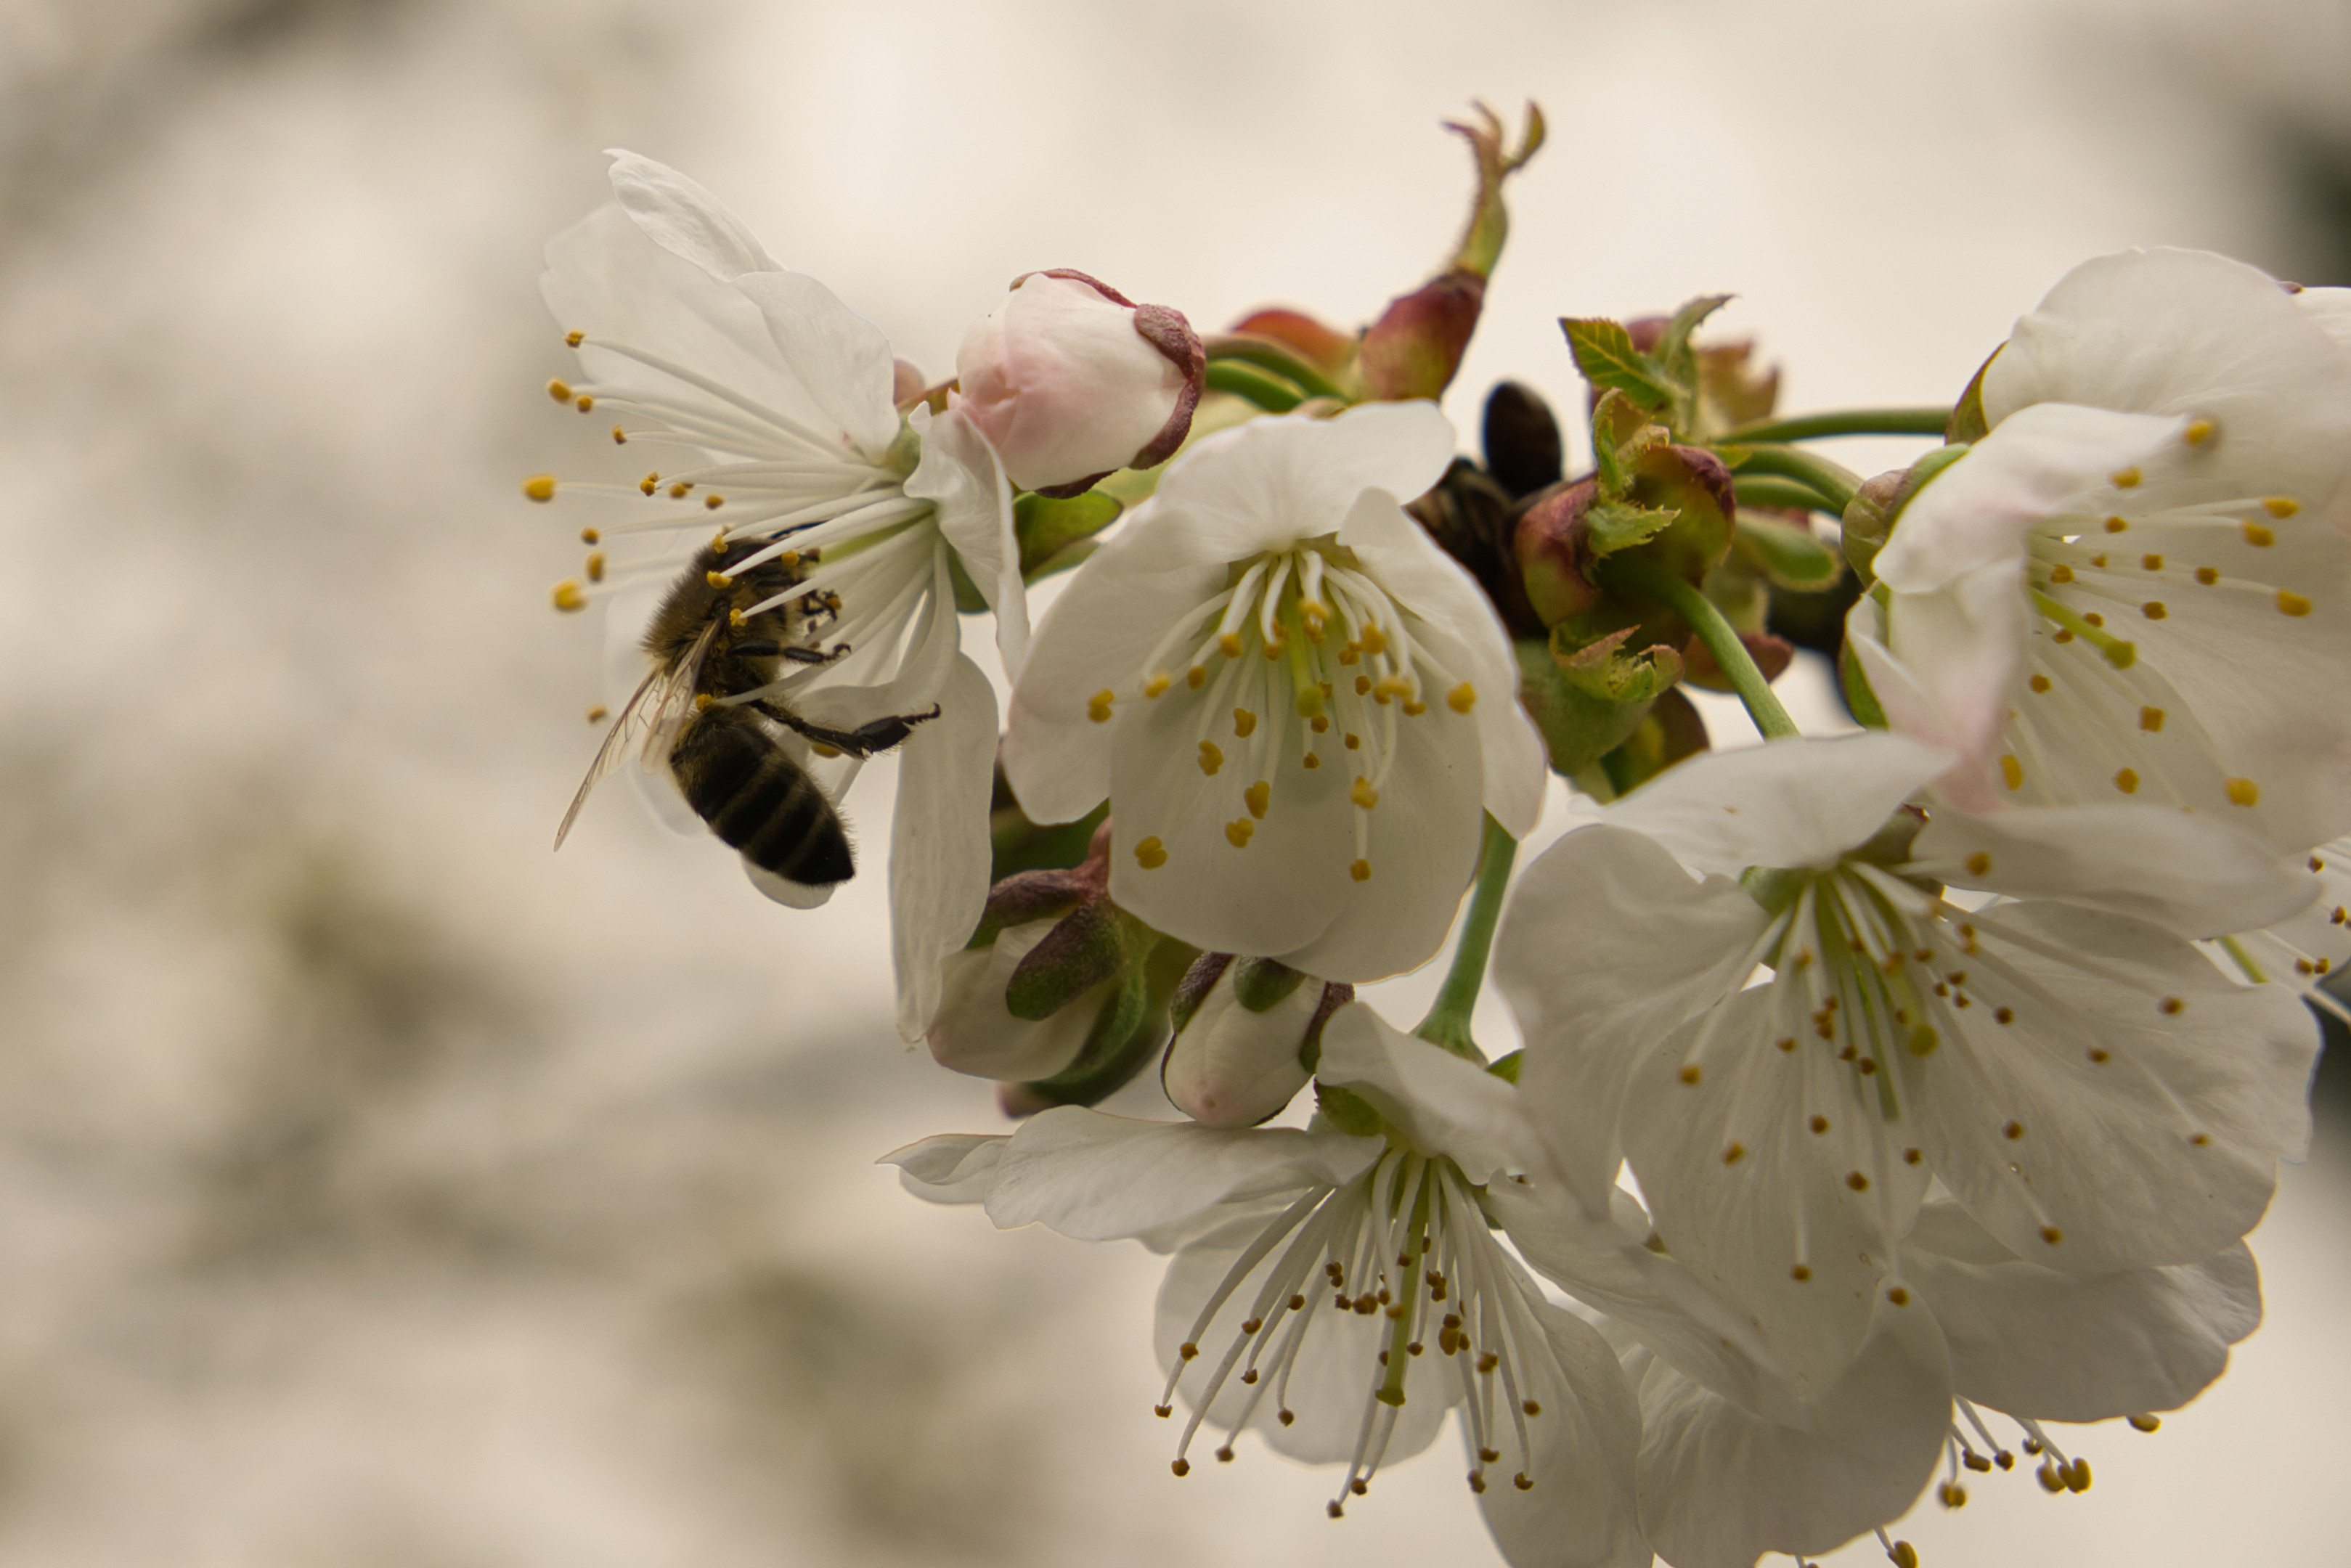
583,402
2153,609
1211,759
1372,639
2150,719
573,340
1151,854
559,390
1273,651
2099,560
1310,761
2146,1424
2077,1478
677,491
2281,506
2012,1132
2052,1235
2123,479
737,620
1902,1554
2292,603
539,487
1257,797
1159,682
596,713
2243,792
1361,793
1857,1181
2201,1139
1413,709
1362,684
2052,1478
2260,536
649,483
1462,698
1389,687
595,566
1913,1156
2151,562
1692,1073
1361,871
2208,575
1898,1296
1315,609
1734,1154
2126,781
1099,704
1354,742
569,596
2100,1055
2039,682
590,536
2061,572
2198,431
717,579
2173,1007
1238,830
1244,723
714,502
1978,863
1195,677
1319,723
2011,770
2116,525
620,436
1351,652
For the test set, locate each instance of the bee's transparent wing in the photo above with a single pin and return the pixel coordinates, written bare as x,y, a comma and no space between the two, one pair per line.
646,722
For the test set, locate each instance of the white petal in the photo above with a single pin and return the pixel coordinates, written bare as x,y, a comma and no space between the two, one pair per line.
939,846
1608,946
1103,626
2035,1343
841,358
1721,1487
1750,1171
954,1167
2132,1108
1976,513
1097,1177
1582,1511
1951,689
2192,875
2331,309
2180,332
684,219
1442,1103
1272,482
1791,803
960,473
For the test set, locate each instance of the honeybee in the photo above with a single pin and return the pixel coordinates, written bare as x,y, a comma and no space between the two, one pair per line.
724,748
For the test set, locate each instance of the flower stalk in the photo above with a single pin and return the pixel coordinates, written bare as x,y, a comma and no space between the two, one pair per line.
1843,422
1448,1023
1714,630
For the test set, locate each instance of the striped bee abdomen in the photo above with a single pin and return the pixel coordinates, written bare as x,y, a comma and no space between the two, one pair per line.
739,779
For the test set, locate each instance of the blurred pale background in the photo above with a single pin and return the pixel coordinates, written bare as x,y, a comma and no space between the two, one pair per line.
377,1189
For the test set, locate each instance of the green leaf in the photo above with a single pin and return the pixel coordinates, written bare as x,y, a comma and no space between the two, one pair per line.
1603,351
1579,725
1616,526
1789,556
1046,528
1673,353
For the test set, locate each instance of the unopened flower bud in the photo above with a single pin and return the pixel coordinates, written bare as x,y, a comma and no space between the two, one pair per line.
1553,552
1070,381
1250,1029
974,1032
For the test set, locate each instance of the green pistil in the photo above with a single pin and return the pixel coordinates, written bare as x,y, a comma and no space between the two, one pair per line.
1405,1293
2119,653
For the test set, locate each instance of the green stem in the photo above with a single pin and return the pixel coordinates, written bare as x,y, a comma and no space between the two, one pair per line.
1269,355
1843,421
1773,492
1448,1023
1834,481
1721,639
1270,393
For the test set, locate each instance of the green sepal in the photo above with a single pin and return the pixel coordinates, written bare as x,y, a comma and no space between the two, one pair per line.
1967,425
1048,529
1671,731
1604,353
1348,1112
1858,696
1787,555
1261,985
1507,1068
1275,394
968,599
1091,943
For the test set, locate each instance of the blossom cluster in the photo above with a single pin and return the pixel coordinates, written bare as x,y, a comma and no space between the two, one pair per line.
1879,1097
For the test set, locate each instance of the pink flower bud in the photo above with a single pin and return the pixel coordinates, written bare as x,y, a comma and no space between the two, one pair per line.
1249,1040
1070,381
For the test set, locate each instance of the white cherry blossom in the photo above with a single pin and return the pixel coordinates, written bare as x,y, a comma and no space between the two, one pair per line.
2093,1090
1339,1294
1300,708
2133,586
769,406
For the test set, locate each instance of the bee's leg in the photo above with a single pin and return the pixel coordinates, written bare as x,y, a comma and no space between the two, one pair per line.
865,741
817,655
